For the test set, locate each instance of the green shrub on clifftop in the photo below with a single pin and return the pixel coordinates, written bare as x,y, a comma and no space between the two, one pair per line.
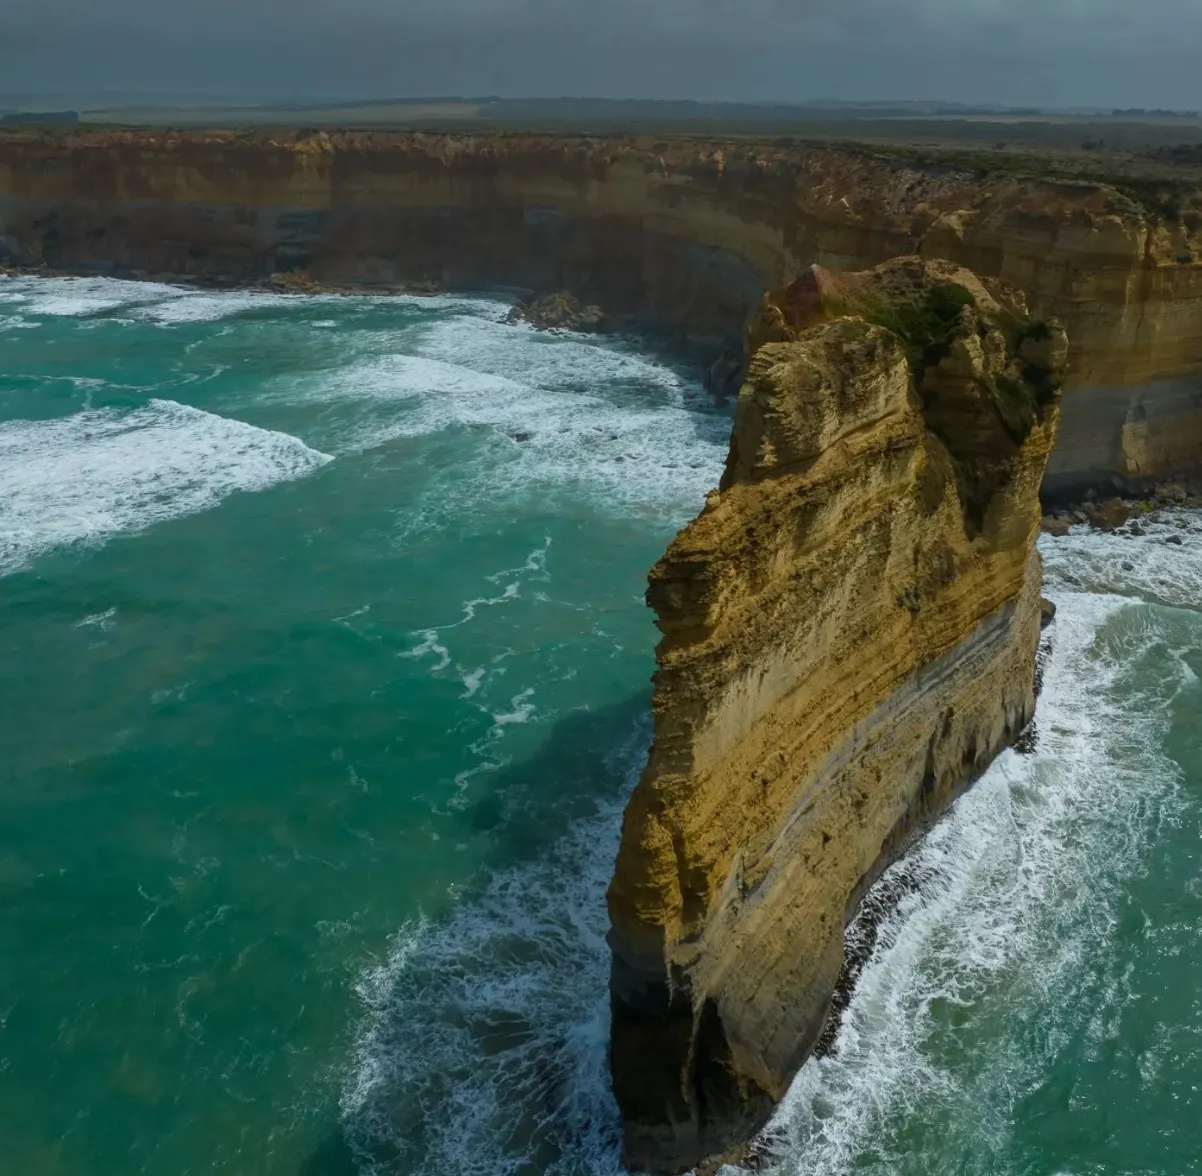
925,322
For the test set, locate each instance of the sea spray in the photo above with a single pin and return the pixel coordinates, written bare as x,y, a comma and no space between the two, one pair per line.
321,616
999,918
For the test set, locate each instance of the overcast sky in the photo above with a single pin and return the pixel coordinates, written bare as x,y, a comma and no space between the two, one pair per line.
1026,52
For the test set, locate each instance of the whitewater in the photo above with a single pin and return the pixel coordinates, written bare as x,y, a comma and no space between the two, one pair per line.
327,678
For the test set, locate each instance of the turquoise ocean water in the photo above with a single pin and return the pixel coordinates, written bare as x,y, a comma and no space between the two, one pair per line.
323,678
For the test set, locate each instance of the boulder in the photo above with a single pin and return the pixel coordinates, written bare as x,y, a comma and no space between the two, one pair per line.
1110,515
558,312
1171,492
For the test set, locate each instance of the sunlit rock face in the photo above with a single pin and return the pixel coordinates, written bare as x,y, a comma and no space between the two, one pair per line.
849,637
849,626
677,233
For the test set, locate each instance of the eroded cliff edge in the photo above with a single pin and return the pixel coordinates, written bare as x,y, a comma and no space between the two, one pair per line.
680,233
849,637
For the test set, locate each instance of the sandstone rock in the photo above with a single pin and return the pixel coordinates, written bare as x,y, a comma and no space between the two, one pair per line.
558,312
849,635
296,282
1047,612
1171,492
1044,349
1110,515
724,377
1055,526
1175,540
676,232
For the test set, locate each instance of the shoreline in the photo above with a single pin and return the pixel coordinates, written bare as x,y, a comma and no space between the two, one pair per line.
275,284
884,896
710,358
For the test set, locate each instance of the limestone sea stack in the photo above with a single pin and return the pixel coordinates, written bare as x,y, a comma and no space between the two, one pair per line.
849,638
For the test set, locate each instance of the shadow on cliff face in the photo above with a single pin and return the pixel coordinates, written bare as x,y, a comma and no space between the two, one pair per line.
482,1046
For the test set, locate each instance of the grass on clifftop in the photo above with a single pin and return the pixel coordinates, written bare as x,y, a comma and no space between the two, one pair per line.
984,427
925,323
1147,186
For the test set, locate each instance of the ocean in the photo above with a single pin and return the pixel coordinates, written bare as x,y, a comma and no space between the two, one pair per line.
325,676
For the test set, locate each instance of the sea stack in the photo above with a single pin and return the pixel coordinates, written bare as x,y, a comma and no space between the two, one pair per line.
849,638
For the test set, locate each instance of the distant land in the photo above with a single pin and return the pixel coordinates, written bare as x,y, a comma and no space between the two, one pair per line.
917,123
40,117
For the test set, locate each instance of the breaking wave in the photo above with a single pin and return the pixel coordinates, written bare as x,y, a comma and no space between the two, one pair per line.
86,477
483,1047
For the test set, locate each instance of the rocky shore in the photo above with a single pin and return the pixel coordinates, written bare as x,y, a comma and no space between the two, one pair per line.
677,236
849,627
558,312
1121,514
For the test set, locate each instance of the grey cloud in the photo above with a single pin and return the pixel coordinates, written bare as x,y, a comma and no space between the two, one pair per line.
1070,52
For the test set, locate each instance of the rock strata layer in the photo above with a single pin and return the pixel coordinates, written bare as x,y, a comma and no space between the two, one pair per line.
681,234
849,637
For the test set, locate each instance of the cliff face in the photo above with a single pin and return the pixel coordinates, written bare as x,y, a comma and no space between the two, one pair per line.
849,636
849,627
681,233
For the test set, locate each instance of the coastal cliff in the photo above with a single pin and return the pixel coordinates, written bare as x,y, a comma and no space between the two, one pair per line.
850,625
849,637
677,233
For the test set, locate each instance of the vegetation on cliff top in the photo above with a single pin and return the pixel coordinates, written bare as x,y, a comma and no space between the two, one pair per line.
985,406
1153,185
925,320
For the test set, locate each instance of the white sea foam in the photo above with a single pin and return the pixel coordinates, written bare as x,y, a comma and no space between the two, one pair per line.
1148,565
518,710
102,621
482,1050
483,1047
1000,905
190,306
83,478
535,564
539,359
521,710
156,302
413,377
534,569
430,644
549,413
77,297
471,681
544,404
